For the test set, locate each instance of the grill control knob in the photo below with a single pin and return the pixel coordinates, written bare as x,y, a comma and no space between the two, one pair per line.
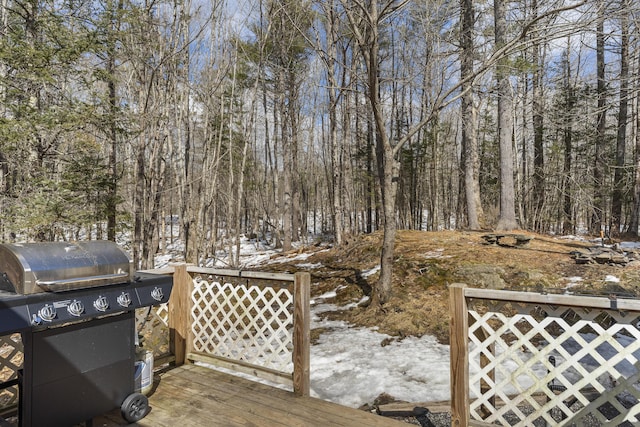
124,299
76,308
157,294
101,303
47,313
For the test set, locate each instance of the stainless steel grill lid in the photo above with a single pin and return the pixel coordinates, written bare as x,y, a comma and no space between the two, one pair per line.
31,268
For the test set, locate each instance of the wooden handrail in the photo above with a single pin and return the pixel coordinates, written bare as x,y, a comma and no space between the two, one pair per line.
616,303
281,277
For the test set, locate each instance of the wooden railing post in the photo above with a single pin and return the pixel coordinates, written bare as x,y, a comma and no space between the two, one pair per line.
301,334
179,313
459,326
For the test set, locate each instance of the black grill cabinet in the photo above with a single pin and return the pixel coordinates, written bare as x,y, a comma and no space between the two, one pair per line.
74,306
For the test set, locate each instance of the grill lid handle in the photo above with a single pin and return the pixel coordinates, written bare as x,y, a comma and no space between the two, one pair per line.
83,282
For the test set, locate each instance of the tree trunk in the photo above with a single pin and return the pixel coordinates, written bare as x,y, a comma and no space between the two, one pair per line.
568,226
634,222
470,158
388,170
621,137
111,201
287,175
507,219
365,26
294,112
387,167
112,189
139,202
538,132
597,218
334,145
371,205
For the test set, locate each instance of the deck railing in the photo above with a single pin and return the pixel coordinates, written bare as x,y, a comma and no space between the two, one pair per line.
520,358
11,357
250,322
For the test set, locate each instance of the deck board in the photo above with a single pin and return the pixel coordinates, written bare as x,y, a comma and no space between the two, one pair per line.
193,396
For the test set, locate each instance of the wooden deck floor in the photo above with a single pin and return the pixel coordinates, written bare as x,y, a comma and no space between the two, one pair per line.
191,396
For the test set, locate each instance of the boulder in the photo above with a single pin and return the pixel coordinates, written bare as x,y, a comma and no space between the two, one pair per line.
482,276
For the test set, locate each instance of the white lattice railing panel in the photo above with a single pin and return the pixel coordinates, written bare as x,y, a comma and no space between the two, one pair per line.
152,324
542,364
245,322
11,359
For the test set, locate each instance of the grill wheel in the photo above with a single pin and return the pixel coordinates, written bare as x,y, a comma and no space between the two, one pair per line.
135,407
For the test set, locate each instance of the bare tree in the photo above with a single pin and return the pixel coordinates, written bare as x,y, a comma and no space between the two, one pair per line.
597,218
538,126
634,221
507,219
113,11
469,118
623,112
329,56
365,19
568,106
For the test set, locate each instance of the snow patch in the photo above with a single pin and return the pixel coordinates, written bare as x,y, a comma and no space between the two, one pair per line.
370,272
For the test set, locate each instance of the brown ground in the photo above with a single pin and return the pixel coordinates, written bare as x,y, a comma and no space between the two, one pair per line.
426,262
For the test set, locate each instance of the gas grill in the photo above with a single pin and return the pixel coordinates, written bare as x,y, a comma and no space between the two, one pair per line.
74,306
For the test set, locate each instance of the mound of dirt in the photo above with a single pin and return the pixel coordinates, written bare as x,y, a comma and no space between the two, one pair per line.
427,262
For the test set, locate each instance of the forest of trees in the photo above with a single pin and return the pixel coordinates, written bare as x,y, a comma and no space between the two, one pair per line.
291,119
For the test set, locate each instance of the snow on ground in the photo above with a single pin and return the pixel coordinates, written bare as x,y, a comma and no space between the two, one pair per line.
573,281
370,272
350,365
353,365
629,245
